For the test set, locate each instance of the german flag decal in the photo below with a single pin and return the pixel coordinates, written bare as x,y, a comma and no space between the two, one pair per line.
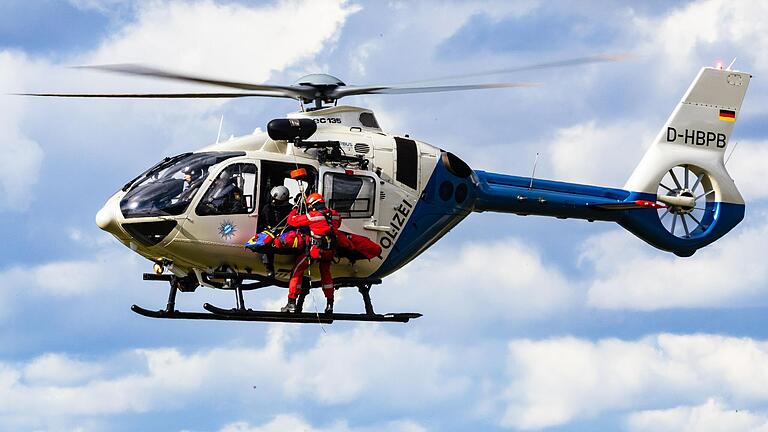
727,115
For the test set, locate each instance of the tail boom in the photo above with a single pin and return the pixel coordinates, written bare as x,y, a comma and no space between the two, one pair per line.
637,212
524,196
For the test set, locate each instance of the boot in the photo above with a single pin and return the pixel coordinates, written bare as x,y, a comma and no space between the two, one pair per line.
290,307
269,264
329,306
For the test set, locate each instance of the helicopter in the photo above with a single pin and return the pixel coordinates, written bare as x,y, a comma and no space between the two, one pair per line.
401,193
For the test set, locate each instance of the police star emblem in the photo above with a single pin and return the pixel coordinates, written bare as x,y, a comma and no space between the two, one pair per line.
227,229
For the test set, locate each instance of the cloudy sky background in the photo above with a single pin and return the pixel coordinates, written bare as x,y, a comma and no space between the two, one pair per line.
529,323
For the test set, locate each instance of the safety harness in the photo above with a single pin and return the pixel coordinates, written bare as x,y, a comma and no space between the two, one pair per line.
328,241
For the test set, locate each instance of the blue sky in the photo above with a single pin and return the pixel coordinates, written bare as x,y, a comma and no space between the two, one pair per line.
530,323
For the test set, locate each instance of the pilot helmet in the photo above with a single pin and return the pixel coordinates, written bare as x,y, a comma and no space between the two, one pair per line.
279,194
193,171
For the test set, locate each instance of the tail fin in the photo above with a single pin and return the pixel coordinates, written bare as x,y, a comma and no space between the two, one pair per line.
684,171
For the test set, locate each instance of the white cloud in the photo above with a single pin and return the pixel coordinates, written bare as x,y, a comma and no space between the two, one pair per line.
337,381
108,277
106,270
341,367
506,279
556,381
711,416
596,153
631,275
288,422
703,33
747,167
230,40
21,156
59,369
695,26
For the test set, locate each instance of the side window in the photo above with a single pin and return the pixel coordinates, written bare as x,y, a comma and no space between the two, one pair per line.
352,196
407,162
295,187
232,192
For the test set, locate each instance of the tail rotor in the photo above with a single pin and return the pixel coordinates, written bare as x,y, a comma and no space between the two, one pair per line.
687,193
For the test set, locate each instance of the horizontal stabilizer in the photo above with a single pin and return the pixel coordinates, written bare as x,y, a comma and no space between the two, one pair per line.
631,205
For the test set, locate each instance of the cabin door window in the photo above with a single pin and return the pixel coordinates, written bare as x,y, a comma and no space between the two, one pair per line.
350,195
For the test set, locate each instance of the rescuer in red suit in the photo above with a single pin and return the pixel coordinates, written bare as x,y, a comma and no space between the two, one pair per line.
323,225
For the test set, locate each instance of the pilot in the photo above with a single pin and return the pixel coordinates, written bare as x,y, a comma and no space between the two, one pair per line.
191,176
323,225
273,217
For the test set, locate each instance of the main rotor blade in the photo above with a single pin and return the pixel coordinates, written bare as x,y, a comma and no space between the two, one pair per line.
141,70
351,90
600,58
157,95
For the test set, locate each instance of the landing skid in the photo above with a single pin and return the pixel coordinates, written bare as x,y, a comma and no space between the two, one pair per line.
309,316
241,313
216,317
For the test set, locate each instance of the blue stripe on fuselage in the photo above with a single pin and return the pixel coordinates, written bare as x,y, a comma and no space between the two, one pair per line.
432,217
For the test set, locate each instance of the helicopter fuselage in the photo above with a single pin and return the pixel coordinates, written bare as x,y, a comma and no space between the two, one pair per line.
405,197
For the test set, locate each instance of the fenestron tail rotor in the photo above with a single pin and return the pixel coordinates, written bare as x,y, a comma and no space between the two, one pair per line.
685,190
317,88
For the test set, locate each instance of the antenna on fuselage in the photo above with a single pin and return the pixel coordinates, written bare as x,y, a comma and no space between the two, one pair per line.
533,172
733,150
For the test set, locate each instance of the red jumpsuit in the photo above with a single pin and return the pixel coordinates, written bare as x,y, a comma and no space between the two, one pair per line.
318,227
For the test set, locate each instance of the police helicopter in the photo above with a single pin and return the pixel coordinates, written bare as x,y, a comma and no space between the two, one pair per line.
399,192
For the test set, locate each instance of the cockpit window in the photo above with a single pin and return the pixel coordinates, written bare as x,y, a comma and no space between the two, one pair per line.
168,188
232,192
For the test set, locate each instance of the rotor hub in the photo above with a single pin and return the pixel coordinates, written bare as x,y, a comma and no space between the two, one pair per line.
686,191
319,80
685,202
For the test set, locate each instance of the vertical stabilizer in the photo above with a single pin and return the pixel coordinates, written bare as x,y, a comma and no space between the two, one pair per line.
684,169
697,134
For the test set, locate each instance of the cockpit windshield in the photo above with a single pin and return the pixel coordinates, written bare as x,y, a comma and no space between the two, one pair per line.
167,188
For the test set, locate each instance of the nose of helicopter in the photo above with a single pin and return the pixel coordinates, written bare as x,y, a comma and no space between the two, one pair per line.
105,218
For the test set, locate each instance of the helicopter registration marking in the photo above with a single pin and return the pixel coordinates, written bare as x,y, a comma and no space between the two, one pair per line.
396,223
696,137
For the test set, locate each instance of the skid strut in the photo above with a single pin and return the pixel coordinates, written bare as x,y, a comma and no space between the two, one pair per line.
365,291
